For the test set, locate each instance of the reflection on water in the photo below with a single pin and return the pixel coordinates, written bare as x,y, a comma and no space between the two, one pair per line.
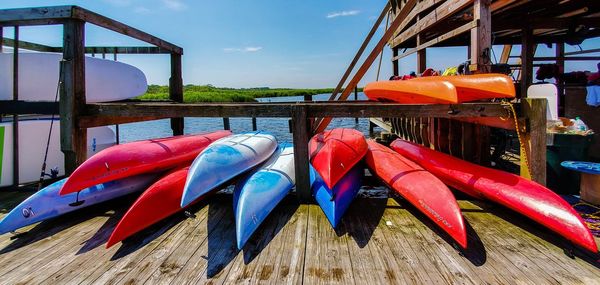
277,126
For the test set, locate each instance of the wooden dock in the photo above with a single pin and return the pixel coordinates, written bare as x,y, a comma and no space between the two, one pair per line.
381,241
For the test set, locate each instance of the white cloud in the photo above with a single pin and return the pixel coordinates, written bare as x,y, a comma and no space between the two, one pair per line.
142,10
176,5
244,49
119,3
342,14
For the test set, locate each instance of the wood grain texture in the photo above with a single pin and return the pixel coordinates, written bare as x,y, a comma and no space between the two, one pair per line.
380,241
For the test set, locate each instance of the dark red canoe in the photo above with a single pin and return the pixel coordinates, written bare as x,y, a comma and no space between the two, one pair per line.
333,153
514,192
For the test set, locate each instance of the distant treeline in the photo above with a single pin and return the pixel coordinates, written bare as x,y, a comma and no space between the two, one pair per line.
209,93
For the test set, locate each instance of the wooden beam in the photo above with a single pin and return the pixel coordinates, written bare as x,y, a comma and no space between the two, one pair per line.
437,15
23,107
418,9
73,140
505,56
360,51
567,58
481,37
63,14
30,46
1,39
360,109
421,54
534,140
460,30
99,121
35,16
594,50
300,132
527,54
370,59
113,25
176,92
395,63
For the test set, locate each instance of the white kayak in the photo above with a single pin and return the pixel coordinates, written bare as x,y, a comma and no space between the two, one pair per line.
259,193
105,80
225,159
33,136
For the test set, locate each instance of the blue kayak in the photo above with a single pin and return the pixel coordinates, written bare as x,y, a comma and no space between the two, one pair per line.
334,206
582,166
47,203
257,195
225,159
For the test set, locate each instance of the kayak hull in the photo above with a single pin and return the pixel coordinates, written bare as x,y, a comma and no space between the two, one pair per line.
333,153
47,203
158,202
345,191
257,195
442,89
514,192
420,188
225,159
134,158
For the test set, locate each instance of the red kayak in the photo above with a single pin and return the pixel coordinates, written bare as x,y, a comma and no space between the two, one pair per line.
160,201
333,153
134,158
526,197
419,187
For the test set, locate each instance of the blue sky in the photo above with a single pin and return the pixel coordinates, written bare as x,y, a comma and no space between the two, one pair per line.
245,43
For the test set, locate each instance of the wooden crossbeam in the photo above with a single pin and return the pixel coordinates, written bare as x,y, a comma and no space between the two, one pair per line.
440,13
408,6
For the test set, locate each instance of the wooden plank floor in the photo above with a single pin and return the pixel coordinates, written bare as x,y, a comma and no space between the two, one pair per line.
381,241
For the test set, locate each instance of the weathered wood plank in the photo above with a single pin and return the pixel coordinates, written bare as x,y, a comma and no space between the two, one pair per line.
73,140
23,107
267,110
440,13
176,92
481,37
301,135
534,140
35,16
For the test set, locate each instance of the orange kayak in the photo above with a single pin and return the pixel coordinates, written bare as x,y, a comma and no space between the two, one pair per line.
478,86
412,91
435,90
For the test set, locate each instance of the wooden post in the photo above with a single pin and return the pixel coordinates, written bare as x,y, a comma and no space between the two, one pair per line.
300,136
560,61
73,140
226,124
482,145
535,139
1,39
176,91
526,60
254,128
356,99
15,123
395,62
421,54
481,37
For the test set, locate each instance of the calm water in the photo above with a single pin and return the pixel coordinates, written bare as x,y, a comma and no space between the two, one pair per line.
277,126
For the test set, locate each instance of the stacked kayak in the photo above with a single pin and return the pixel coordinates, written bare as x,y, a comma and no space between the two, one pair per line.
514,192
259,193
334,202
419,187
158,202
442,89
138,157
47,203
225,159
334,157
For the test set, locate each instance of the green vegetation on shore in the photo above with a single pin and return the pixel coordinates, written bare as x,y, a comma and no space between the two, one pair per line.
209,93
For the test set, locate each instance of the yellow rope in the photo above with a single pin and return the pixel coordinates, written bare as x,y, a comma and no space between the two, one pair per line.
594,215
523,150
